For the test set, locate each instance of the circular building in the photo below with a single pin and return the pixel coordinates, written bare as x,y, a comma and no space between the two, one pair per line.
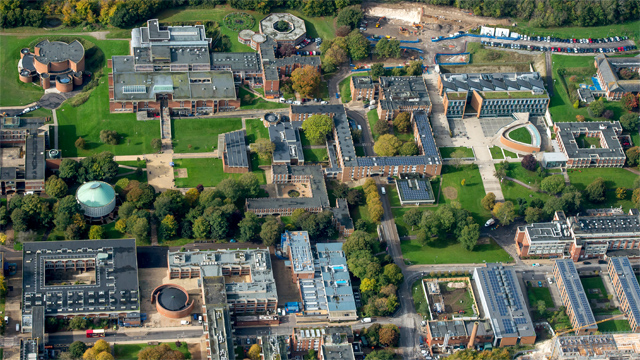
244,37
97,198
284,28
271,119
172,301
45,80
64,83
26,76
58,56
257,40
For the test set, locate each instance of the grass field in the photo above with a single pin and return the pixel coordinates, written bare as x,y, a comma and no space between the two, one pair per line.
469,195
372,117
201,134
614,178
315,155
256,130
496,152
485,55
587,142
403,228
510,154
256,102
513,191
419,301
516,171
207,172
520,134
140,164
535,293
594,283
614,326
451,252
630,29
447,151
130,351
131,176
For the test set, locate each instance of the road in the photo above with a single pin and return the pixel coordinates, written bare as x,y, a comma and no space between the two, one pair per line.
549,71
367,139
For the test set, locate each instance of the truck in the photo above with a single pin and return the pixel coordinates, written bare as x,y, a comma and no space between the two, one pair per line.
95,333
365,320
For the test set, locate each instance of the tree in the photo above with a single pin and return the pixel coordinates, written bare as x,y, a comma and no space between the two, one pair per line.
305,80
635,197
576,104
250,185
386,48
100,167
230,188
141,230
249,227
77,348
358,45
621,193
363,264
168,227
254,352
78,323
552,184
529,162
109,137
402,122
80,144
264,148
380,355
358,240
389,335
140,194
160,352
488,201
381,127
579,118
629,101
414,68
607,114
201,228
633,156
68,171
393,273
469,235
286,50
311,355
377,70
156,144
317,127
105,356
505,212
412,217
271,231
408,149
343,31
629,121
457,156
368,285
463,181
56,187
96,232
541,306
596,190
597,107
387,145
398,71
533,215
350,16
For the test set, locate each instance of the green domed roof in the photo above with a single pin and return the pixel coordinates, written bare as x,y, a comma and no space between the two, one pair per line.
95,194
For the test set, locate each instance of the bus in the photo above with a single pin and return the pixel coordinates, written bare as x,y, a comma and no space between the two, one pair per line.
95,333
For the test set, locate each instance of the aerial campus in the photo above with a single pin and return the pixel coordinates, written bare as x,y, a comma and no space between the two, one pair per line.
319,180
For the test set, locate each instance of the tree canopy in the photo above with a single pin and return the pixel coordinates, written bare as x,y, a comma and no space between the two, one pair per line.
317,127
305,80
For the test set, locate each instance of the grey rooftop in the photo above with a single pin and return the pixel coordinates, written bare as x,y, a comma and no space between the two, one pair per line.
297,27
286,138
575,293
609,130
57,51
235,151
531,81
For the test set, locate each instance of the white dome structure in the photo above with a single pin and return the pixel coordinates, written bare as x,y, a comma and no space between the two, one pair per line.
96,198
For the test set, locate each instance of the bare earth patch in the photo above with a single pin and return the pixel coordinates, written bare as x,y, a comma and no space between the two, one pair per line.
181,173
450,192
456,285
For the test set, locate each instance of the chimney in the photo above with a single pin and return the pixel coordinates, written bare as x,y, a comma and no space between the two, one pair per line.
473,335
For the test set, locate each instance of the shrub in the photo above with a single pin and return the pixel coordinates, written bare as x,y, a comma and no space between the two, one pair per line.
79,99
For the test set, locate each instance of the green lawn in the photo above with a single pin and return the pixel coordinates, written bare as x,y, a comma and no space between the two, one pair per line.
447,151
587,142
513,191
130,351
510,154
256,130
615,177
520,134
614,326
486,55
594,283
392,195
403,228
451,252
535,293
131,176
207,172
359,150
631,29
516,171
373,118
496,152
256,102
201,134
140,164
315,155
404,137
469,195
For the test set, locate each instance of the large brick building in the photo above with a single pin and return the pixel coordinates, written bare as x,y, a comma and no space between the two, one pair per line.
491,95
22,151
625,284
609,153
599,233
573,297
608,70
402,94
362,87
54,62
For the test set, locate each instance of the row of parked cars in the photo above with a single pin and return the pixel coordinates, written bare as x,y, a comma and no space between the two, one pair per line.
574,41
307,41
307,53
558,49
296,102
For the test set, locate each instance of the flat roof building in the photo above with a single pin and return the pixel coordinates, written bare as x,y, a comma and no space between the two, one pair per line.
288,147
504,305
443,335
362,87
79,278
154,35
402,94
599,232
295,33
247,274
22,156
415,191
304,339
574,298
297,246
337,352
608,153
217,319
625,284
235,156
603,346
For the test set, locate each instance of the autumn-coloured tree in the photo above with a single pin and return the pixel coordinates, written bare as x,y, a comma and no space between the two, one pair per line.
254,352
402,122
579,118
387,145
389,335
488,201
621,193
629,101
305,80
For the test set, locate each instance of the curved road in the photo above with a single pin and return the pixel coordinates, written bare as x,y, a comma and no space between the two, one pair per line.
366,140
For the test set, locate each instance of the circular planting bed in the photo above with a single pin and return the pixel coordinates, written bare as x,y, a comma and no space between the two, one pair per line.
239,21
450,192
293,194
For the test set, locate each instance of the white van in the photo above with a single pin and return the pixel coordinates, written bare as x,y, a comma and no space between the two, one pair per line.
185,322
383,190
17,327
282,99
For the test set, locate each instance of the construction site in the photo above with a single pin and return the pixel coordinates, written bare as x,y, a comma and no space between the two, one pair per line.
450,298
